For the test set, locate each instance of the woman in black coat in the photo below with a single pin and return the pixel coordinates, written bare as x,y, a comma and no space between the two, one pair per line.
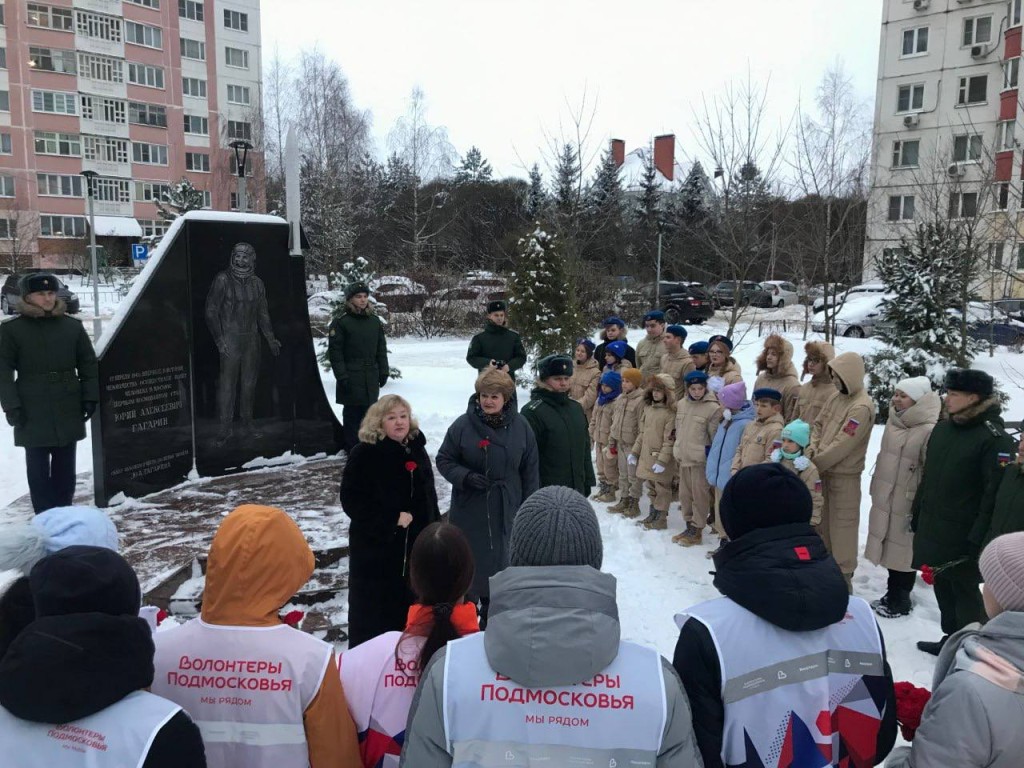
489,455
387,489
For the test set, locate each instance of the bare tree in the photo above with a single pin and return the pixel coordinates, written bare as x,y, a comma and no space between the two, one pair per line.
18,234
278,105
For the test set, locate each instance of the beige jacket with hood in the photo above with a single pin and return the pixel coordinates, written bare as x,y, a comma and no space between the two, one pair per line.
601,422
816,392
759,439
626,418
839,439
783,379
656,436
696,424
675,365
898,470
583,385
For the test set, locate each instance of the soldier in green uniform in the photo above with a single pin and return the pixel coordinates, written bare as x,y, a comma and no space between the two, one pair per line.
497,344
560,426
48,388
358,353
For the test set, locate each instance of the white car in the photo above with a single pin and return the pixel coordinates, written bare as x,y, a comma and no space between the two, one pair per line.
466,305
855,292
783,292
857,318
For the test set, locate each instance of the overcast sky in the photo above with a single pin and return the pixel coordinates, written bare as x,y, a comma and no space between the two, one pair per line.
499,73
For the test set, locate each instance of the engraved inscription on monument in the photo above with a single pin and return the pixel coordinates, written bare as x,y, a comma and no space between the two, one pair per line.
148,402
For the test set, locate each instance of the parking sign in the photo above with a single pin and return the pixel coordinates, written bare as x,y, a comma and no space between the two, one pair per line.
140,252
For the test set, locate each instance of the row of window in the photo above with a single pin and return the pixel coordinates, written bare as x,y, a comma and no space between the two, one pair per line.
967,148
962,205
974,30
971,89
105,189
52,225
109,27
112,150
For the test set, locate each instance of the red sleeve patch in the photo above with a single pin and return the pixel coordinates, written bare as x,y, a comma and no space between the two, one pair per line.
851,427
802,553
817,486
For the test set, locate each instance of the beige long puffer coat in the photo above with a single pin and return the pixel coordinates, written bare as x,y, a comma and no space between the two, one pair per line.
656,437
839,439
898,471
784,379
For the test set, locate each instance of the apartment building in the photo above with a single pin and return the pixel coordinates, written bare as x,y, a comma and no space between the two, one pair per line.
143,92
946,140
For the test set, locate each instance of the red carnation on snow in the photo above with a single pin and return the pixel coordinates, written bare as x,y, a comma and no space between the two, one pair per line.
483,444
410,466
910,704
293,618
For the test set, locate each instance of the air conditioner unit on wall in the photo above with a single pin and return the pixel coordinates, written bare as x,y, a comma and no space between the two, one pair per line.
955,169
921,5
912,121
978,52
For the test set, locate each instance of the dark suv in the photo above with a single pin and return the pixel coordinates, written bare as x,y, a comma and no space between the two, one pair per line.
750,294
682,302
10,294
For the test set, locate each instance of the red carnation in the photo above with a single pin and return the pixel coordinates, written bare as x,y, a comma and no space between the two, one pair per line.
293,618
483,444
927,575
910,704
160,616
410,466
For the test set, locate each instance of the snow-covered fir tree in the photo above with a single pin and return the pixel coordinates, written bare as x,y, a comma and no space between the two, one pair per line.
182,198
925,277
537,197
648,214
604,213
541,307
474,169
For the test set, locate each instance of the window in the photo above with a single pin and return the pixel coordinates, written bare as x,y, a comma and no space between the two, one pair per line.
2,21
189,9
103,68
197,161
151,191
5,144
973,90
207,198
7,227
5,101
3,58
6,186
905,153
1011,73
193,86
143,74
53,18
62,226
967,149
55,101
238,129
233,166
53,60
51,143
1013,12
977,31
154,227
236,57
1002,195
236,20
233,201
149,154
113,190
155,4
98,26
147,114
104,149
238,94
143,34
103,110
59,185
963,205
995,255
193,49
197,125
910,97
901,208
1004,135
915,41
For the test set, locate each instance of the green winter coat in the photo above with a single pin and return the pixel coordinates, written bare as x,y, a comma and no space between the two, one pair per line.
952,510
47,372
358,353
1008,515
563,441
496,342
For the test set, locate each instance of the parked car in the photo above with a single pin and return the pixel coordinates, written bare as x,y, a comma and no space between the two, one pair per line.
321,304
986,322
783,293
1013,307
857,318
481,278
462,305
681,301
749,292
842,298
10,293
400,293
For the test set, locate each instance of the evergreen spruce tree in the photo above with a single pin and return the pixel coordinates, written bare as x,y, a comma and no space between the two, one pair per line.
693,223
648,214
474,169
182,198
604,215
537,198
540,308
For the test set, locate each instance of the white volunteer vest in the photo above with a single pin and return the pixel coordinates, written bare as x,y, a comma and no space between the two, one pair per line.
245,687
616,719
795,698
117,737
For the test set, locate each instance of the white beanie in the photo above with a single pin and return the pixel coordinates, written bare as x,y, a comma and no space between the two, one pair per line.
915,387
21,547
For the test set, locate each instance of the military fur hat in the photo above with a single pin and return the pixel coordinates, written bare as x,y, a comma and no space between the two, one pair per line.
496,306
39,281
356,288
555,365
969,380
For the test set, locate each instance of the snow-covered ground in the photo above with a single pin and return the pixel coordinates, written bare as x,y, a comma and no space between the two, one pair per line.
657,579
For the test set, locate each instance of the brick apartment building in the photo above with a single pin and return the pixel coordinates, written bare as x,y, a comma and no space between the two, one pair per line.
143,92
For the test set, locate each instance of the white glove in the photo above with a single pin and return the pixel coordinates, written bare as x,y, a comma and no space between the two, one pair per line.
726,415
631,460
801,463
657,469
777,455
715,384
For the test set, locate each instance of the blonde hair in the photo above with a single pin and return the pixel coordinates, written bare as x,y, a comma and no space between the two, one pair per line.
493,381
372,429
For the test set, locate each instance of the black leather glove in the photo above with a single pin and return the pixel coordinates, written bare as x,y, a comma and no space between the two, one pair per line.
88,409
382,380
14,417
477,482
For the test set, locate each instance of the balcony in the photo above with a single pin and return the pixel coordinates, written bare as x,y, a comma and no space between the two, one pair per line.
111,7
104,168
99,45
102,87
104,208
103,128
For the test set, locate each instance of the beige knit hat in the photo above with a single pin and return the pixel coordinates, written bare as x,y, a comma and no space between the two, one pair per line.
1002,568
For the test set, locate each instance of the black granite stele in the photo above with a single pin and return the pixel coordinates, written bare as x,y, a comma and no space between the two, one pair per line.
214,365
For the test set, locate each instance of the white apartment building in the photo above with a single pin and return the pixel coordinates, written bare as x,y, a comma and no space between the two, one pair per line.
946,141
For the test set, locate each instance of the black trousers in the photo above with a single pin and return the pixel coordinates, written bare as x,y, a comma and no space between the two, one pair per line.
351,418
901,581
51,476
958,596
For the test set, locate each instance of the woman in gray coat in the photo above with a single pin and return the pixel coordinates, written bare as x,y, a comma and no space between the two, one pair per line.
974,717
489,455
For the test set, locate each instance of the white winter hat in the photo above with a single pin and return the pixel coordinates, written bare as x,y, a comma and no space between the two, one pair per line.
916,387
21,547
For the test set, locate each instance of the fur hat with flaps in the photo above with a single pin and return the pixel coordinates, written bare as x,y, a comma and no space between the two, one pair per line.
818,349
970,380
663,382
492,381
782,348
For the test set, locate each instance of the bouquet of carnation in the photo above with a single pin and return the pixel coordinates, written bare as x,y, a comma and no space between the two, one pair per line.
928,573
910,703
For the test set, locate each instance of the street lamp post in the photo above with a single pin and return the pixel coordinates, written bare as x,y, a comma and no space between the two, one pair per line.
97,325
241,156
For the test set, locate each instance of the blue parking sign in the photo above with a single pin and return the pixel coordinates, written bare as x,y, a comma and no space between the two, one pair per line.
140,252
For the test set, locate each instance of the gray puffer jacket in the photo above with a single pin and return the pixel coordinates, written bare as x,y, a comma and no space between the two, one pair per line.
977,707
534,638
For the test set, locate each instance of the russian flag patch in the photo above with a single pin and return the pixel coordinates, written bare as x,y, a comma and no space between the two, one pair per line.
1005,459
851,427
817,486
